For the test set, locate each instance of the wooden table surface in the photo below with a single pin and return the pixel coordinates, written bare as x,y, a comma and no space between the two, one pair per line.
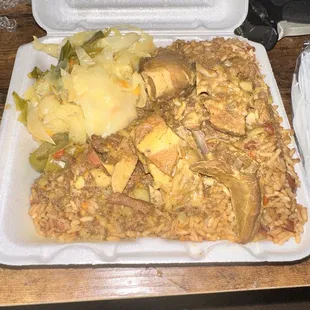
54,284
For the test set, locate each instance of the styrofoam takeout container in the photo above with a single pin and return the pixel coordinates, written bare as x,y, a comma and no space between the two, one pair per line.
167,20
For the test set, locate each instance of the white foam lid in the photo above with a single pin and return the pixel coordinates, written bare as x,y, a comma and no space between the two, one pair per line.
205,16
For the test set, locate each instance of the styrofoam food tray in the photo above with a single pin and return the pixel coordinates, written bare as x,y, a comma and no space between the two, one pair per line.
19,244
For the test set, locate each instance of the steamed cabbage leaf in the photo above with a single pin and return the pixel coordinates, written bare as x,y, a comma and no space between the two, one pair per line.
35,125
35,73
94,88
49,48
22,107
90,45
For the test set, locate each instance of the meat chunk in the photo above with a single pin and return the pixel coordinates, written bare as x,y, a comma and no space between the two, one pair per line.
103,145
167,76
245,197
186,187
158,143
291,182
233,169
136,204
233,159
224,98
226,117
125,165
211,133
107,147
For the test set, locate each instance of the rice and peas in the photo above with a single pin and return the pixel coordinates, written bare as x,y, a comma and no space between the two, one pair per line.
79,201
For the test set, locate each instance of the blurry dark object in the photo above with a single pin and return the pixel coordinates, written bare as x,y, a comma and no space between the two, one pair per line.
270,20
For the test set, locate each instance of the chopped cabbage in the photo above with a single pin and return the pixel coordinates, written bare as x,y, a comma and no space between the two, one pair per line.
94,88
22,107
35,73
58,118
106,107
79,38
35,126
83,57
50,48
119,43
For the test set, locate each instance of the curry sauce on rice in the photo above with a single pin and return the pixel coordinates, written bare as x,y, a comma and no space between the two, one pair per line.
202,157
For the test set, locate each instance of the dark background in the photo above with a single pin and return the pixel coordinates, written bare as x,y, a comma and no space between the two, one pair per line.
284,299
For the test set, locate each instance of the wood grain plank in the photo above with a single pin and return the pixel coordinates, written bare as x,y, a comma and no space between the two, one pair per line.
45,285
10,41
55,284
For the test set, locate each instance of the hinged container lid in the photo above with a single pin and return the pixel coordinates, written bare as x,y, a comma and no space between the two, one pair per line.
156,16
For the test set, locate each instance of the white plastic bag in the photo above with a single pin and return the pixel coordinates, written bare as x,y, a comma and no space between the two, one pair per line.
301,106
